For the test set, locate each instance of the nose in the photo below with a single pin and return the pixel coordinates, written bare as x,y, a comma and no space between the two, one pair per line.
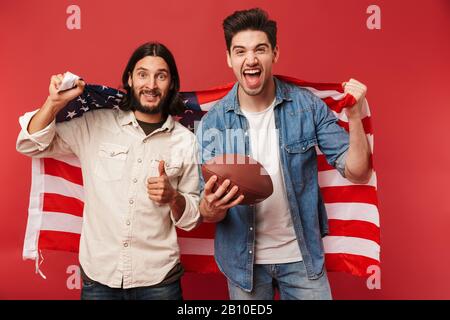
151,83
251,59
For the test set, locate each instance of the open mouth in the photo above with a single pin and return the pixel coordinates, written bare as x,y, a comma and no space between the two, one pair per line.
252,77
150,95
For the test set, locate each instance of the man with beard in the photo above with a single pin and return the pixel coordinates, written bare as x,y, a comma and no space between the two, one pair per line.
275,244
140,178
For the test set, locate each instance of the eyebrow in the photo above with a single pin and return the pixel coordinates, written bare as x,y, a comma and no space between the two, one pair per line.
257,46
159,70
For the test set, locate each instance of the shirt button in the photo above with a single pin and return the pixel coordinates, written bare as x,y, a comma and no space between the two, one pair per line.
250,251
251,228
303,148
125,244
139,160
134,180
128,222
131,201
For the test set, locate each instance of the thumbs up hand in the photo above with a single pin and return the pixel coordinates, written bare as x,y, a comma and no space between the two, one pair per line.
159,188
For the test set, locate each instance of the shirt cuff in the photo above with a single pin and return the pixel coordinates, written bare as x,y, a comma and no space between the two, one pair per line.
41,138
190,217
339,164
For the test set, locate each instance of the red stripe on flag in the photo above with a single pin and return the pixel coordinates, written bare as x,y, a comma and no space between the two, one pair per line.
357,193
204,231
58,240
54,202
350,263
366,121
322,164
63,170
199,263
213,94
354,228
317,86
338,105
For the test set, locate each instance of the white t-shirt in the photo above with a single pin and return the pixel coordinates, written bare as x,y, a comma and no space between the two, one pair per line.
275,241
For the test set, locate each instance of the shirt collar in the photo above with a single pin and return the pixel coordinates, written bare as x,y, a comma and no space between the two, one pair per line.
128,117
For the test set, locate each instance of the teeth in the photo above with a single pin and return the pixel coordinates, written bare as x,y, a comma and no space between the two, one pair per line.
252,71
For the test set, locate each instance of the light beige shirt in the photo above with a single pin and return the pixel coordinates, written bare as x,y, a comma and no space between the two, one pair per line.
125,235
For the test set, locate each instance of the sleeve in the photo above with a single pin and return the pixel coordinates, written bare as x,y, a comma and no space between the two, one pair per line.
340,163
199,140
52,141
188,187
209,141
333,140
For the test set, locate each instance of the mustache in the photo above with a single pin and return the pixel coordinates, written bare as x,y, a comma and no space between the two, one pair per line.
154,92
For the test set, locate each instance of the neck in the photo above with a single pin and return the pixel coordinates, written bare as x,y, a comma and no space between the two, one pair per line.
260,101
149,118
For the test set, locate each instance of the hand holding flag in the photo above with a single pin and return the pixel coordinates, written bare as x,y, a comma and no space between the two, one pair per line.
59,99
358,91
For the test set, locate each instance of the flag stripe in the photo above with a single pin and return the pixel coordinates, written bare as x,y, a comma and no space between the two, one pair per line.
201,246
332,178
57,240
366,121
337,105
64,170
353,264
54,202
58,185
321,86
69,159
354,228
341,115
58,221
205,230
352,245
322,164
356,193
351,211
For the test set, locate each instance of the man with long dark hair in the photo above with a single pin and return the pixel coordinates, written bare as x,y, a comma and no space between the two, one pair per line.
140,178
275,244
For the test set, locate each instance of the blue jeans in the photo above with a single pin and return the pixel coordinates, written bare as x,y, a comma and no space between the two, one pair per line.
290,279
93,290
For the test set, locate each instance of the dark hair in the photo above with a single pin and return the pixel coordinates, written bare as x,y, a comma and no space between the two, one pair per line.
174,104
253,19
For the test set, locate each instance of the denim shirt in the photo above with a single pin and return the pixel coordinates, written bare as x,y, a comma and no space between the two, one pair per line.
303,121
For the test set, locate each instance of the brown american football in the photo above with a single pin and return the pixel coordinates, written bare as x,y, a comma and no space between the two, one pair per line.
244,172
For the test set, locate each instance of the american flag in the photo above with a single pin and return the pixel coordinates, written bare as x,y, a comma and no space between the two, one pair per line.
56,199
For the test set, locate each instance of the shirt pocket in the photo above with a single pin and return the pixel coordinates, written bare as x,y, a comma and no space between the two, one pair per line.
301,146
302,158
111,161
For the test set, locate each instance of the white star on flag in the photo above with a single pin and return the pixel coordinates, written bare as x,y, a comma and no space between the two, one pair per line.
71,114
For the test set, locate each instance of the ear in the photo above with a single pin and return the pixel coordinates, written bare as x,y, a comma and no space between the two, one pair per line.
229,59
276,54
130,81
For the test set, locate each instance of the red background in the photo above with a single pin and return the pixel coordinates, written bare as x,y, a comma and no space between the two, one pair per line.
405,65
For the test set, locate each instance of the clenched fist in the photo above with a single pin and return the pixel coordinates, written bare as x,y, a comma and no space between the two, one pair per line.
358,91
60,99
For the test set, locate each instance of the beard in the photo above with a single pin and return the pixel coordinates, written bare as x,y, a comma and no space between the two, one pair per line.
136,104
